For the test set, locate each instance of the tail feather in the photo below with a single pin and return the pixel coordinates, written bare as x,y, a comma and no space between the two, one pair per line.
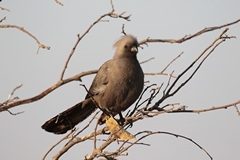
68,119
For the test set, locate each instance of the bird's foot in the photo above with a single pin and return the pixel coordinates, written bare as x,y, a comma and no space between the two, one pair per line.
121,120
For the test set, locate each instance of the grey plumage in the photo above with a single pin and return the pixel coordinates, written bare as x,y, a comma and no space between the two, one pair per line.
117,85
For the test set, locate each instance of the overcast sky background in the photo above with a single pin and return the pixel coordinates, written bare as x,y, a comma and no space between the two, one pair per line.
215,84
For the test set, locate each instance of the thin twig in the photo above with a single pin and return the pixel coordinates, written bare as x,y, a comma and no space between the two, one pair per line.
119,140
4,9
11,100
213,45
58,2
172,62
237,110
28,33
87,124
14,114
76,140
50,149
139,99
160,132
161,73
95,136
207,109
123,32
185,38
4,18
10,95
147,60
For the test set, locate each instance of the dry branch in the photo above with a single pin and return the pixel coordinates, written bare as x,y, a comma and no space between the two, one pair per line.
149,133
210,109
50,149
47,91
28,33
166,95
110,14
4,9
4,18
74,141
187,37
161,73
58,2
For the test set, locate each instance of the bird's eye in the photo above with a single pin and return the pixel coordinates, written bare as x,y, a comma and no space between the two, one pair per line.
125,46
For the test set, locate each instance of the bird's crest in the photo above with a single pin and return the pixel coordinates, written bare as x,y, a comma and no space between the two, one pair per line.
126,39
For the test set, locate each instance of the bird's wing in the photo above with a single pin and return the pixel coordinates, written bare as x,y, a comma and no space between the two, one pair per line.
100,81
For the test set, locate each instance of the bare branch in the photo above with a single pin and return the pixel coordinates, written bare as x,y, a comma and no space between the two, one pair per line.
75,141
47,91
58,2
161,73
149,133
10,95
50,149
4,18
4,9
11,100
147,60
208,109
14,114
213,46
134,118
119,140
139,99
172,61
110,14
25,31
123,32
94,116
237,110
188,37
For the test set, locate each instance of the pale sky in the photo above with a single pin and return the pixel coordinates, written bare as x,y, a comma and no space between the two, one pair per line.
215,84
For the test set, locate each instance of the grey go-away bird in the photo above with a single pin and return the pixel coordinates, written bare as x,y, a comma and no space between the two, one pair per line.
117,85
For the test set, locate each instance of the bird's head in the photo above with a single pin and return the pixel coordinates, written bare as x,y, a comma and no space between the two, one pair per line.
126,46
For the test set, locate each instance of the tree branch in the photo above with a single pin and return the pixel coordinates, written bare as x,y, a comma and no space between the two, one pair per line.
4,18
213,46
47,91
161,73
187,37
110,14
209,109
149,133
4,9
28,33
58,2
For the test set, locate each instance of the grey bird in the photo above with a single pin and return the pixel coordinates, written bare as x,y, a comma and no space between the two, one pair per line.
116,86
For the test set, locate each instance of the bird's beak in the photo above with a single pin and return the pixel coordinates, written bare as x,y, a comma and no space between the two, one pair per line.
134,49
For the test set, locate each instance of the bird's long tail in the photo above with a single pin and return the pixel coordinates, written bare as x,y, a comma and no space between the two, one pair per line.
68,119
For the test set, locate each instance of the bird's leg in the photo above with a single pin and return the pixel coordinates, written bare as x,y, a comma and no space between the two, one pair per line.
121,120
